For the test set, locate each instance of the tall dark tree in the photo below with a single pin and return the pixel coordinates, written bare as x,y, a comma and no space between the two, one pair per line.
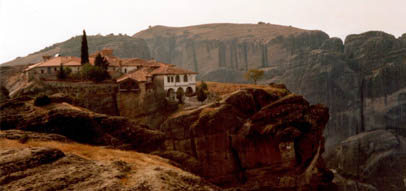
84,51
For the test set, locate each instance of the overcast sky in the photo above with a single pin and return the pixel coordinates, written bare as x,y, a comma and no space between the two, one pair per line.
27,26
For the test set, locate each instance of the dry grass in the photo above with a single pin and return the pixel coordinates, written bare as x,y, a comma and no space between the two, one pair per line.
96,153
143,166
226,88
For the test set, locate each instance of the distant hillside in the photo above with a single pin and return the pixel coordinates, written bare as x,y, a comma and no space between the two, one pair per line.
323,69
124,46
213,49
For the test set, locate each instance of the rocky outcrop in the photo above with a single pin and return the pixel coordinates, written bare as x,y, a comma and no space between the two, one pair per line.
252,140
322,69
42,168
376,157
212,48
77,124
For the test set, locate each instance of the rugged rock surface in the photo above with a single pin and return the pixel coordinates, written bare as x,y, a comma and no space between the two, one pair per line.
24,168
252,140
77,124
376,157
211,48
322,69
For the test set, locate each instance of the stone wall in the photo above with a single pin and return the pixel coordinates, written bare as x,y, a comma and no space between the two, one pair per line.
106,97
98,97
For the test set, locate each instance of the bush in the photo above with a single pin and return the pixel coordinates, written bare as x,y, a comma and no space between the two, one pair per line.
94,73
42,100
202,92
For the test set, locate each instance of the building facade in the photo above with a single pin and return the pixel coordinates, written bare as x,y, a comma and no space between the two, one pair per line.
132,74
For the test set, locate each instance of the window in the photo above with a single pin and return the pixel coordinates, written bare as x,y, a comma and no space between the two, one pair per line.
49,70
125,70
177,78
55,69
42,71
185,78
169,79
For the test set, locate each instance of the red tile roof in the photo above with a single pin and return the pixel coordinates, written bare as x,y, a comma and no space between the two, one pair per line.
57,61
147,68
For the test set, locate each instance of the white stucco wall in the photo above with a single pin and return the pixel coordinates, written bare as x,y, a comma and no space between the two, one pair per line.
191,82
126,69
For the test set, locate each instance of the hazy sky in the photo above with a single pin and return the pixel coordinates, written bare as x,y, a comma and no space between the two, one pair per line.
27,26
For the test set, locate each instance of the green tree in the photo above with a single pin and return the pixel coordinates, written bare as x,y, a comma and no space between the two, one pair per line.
94,73
202,92
254,74
84,51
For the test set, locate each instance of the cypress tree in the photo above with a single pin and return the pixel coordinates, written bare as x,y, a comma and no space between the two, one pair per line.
84,52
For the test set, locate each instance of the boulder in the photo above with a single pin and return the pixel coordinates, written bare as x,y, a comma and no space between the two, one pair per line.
252,140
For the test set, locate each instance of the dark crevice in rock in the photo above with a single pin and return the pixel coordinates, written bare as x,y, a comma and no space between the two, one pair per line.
240,171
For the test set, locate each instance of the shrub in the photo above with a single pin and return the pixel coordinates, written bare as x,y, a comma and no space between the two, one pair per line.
254,74
202,92
94,73
42,100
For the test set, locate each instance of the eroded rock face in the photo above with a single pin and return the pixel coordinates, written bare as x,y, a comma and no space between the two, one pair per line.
252,140
78,124
42,168
377,158
322,69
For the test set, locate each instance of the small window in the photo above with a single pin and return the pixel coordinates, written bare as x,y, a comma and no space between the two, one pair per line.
55,69
49,70
125,70
42,71
169,79
185,78
177,78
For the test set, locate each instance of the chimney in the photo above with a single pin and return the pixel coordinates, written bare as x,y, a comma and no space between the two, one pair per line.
45,58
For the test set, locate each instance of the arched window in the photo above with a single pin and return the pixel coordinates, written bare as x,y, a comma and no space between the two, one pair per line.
185,78
177,78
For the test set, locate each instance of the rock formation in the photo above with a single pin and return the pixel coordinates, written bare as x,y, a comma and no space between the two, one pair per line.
322,69
252,140
63,166
376,157
78,124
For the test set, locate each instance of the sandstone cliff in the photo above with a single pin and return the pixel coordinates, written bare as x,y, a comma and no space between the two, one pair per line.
252,140
44,163
78,124
377,158
322,69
